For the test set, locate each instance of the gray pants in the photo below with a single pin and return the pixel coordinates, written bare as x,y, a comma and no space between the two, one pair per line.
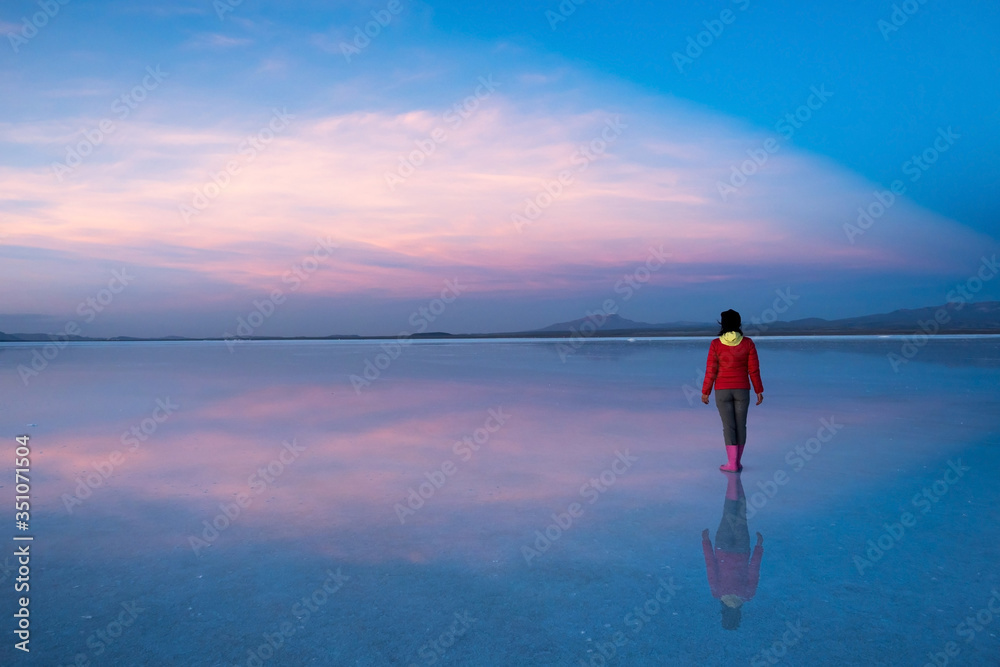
733,534
733,405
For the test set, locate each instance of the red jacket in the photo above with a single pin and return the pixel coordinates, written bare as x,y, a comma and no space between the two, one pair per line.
729,365
732,573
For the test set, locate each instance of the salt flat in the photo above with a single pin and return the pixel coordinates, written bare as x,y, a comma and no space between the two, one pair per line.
502,502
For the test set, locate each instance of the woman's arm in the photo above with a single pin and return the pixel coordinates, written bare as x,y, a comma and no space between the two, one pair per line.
711,370
754,567
753,367
711,565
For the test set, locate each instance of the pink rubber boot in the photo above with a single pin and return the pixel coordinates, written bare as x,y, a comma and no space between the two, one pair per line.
739,456
734,488
732,465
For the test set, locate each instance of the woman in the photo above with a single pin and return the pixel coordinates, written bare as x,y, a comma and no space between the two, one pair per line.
733,571
731,358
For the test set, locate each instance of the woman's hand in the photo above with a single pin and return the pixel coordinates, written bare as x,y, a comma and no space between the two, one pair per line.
760,397
704,398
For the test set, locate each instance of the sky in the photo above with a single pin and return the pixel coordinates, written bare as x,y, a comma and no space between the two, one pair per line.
226,168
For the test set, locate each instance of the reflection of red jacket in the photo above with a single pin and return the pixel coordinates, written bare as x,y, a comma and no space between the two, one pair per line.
731,573
731,364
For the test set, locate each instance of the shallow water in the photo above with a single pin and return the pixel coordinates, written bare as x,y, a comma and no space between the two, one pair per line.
395,523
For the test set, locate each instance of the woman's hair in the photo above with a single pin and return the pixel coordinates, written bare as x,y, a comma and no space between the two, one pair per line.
730,321
730,617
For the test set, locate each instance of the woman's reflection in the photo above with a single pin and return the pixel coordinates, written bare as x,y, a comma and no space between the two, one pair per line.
732,571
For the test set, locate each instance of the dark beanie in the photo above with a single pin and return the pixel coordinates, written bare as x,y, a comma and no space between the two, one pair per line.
731,321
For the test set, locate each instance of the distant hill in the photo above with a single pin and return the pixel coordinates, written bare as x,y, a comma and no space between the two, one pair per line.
616,325
970,318
982,317
39,337
612,323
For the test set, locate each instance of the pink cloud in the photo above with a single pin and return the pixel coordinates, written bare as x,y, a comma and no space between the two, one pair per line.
326,177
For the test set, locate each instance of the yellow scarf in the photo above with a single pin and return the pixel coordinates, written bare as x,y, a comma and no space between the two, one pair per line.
731,338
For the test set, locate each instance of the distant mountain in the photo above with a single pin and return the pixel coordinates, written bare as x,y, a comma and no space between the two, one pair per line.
619,325
38,337
611,323
966,318
982,317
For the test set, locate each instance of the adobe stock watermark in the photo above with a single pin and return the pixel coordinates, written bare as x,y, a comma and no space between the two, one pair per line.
972,625
438,477
302,610
456,115
223,7
782,303
900,15
248,150
258,482
627,286
591,490
563,11
89,309
30,25
915,168
786,127
420,319
962,294
105,637
778,649
91,480
698,43
363,37
796,458
122,107
924,501
693,391
435,650
264,308
581,159
638,618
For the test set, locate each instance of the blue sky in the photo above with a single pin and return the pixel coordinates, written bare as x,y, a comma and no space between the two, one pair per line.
940,68
890,95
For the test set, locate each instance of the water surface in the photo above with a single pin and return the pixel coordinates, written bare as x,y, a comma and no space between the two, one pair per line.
191,503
